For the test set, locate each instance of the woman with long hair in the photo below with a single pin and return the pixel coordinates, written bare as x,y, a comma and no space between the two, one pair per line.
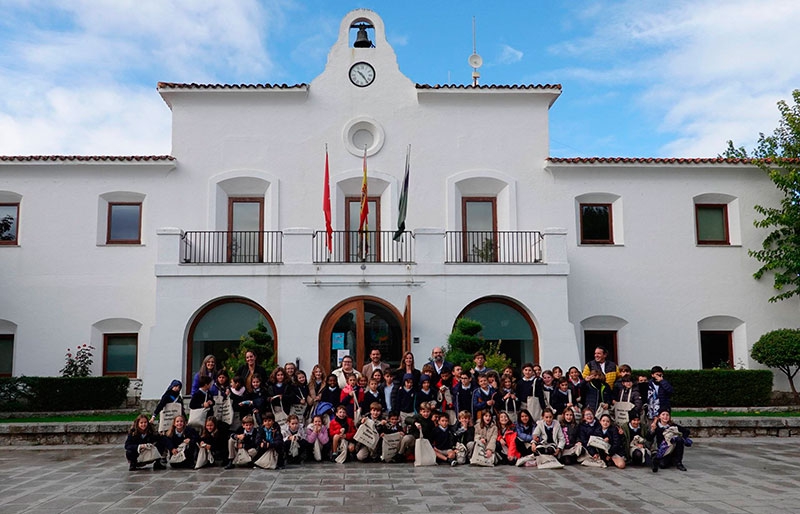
407,366
209,369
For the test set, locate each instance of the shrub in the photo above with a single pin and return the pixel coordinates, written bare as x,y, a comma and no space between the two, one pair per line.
257,340
718,387
780,349
38,394
80,364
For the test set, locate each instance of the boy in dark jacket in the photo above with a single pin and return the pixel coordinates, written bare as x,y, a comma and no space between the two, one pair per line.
247,438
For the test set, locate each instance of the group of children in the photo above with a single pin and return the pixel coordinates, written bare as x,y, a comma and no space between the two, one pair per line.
453,416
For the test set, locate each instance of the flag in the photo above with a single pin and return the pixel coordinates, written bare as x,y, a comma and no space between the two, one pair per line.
363,224
326,205
403,205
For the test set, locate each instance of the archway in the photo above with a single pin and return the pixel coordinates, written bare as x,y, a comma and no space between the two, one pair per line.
506,321
219,326
360,324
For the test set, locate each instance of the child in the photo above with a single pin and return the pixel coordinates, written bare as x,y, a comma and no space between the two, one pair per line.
391,425
363,452
302,393
256,400
171,395
238,392
202,399
294,439
659,393
576,384
558,373
636,444
627,393
343,429
245,438
587,428
671,439
611,434
370,396
529,391
462,393
331,393
464,436
425,394
596,392
214,440
486,434
405,399
570,429
483,397
417,426
525,426
547,436
351,396
624,371
271,439
318,438
181,434
140,435
443,443
562,397
548,386
387,389
505,399
506,447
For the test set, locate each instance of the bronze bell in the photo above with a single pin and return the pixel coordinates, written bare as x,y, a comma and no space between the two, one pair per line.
362,39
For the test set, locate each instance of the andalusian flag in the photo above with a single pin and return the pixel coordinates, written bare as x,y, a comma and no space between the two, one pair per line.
326,205
403,206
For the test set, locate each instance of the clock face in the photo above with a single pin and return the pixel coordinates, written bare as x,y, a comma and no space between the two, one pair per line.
362,74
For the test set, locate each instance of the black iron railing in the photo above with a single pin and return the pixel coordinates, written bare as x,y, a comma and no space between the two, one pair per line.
376,246
506,247
237,246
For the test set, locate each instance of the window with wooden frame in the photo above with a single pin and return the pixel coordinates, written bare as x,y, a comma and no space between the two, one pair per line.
120,354
246,229
711,223
716,349
124,223
603,338
9,223
479,219
366,247
6,355
596,223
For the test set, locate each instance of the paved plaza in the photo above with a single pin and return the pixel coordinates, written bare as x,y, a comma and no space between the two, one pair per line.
725,476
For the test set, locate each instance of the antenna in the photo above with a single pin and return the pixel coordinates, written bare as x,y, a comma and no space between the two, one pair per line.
475,60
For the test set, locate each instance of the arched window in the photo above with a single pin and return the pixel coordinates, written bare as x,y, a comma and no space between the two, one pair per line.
506,321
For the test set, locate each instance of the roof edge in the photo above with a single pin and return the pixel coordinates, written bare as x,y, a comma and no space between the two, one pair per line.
90,159
664,160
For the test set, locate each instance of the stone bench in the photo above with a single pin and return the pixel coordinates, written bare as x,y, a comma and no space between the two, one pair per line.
85,432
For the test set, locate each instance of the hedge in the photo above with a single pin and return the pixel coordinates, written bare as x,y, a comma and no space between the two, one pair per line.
718,387
50,394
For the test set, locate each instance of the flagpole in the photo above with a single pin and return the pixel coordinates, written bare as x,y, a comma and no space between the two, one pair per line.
326,207
363,222
402,206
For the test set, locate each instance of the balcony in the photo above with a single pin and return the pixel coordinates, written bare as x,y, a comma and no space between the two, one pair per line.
238,247
502,247
373,246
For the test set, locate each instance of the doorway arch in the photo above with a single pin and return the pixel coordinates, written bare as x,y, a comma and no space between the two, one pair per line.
507,321
219,325
360,324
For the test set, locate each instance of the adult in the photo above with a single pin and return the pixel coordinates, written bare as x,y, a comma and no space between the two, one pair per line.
374,363
208,369
250,368
407,366
603,365
345,371
438,362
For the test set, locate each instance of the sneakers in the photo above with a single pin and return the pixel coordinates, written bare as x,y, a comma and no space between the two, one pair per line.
453,463
655,465
132,466
680,466
158,465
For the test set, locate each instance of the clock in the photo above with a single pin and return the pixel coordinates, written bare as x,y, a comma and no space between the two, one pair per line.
362,74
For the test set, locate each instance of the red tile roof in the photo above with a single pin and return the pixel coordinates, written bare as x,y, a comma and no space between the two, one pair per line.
86,158
179,85
492,86
648,160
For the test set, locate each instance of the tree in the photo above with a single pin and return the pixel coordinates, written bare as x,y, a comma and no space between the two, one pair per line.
779,156
465,340
780,349
258,340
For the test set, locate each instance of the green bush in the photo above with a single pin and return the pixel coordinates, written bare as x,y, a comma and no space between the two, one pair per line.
51,394
718,387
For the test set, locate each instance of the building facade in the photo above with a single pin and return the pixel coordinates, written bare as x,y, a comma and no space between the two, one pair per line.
159,260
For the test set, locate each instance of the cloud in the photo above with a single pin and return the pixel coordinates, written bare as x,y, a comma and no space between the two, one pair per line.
509,55
711,70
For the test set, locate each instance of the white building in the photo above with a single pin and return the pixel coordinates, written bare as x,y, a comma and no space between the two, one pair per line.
143,256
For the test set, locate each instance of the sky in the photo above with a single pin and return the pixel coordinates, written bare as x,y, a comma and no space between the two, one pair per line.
640,78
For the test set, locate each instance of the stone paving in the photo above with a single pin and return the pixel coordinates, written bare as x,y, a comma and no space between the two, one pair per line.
725,476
